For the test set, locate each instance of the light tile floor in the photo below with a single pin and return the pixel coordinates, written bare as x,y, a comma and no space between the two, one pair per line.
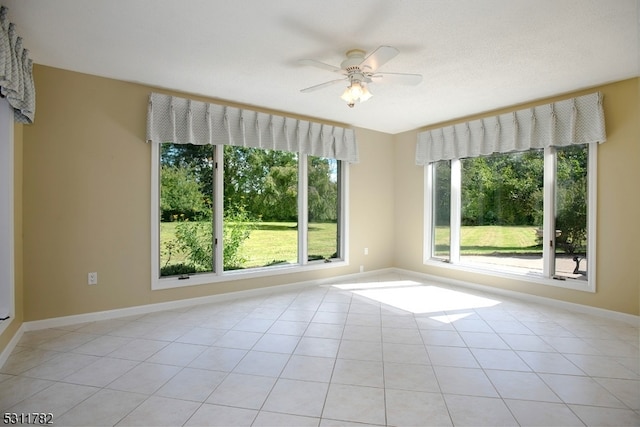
388,350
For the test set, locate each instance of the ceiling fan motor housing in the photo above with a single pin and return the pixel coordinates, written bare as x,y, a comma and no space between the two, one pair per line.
352,65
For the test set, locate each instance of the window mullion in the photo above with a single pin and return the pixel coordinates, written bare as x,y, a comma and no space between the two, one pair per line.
549,233
456,209
592,187
429,224
303,209
218,210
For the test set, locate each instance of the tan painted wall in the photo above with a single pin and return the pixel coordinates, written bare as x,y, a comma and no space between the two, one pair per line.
618,209
11,330
82,204
87,201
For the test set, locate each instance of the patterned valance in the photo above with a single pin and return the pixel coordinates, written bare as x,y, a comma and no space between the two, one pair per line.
16,76
184,121
573,121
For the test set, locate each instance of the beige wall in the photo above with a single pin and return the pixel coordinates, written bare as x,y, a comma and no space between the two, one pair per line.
87,201
618,211
82,204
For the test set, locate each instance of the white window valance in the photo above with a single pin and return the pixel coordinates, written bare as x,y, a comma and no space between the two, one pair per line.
573,121
16,72
184,121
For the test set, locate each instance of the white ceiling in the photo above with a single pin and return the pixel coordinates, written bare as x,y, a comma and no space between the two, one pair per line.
475,55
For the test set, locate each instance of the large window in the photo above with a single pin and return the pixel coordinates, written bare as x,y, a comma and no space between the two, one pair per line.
225,211
527,213
324,195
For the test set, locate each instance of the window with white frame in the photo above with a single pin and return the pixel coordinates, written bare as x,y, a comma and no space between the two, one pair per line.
259,206
522,203
502,213
273,203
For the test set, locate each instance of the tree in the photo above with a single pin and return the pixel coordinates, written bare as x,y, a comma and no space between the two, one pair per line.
323,190
263,182
571,197
503,189
198,159
180,194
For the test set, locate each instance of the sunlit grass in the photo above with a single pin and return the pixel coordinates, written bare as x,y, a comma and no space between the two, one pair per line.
277,242
269,242
490,239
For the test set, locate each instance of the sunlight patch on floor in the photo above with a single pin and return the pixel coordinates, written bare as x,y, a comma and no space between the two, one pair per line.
419,298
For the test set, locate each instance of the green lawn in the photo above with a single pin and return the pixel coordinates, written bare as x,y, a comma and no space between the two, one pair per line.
270,242
278,241
490,239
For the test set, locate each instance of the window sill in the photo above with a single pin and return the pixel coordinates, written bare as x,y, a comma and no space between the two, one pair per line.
531,277
227,276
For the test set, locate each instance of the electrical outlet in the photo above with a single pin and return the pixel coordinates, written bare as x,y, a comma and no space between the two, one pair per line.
366,251
92,278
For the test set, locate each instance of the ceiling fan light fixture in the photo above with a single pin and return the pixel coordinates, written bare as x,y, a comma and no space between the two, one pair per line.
365,94
357,91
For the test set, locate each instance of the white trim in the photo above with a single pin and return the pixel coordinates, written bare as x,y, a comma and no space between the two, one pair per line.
303,209
549,213
455,218
343,220
252,273
6,352
183,303
234,295
219,275
486,270
592,209
218,211
155,215
7,220
428,238
549,241
551,302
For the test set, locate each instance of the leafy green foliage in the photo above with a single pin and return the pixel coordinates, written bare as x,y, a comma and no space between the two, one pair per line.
180,194
571,198
508,190
259,185
194,239
177,269
323,190
237,229
503,189
263,182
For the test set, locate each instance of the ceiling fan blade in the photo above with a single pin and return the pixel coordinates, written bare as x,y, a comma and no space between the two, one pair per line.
318,64
397,78
321,86
378,57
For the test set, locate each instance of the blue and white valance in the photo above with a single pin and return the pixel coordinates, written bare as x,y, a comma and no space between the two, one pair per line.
16,76
573,121
184,121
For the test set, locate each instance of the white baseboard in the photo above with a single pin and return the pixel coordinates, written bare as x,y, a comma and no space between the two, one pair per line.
585,309
171,305
6,352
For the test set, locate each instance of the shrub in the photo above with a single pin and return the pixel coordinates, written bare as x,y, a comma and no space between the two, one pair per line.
195,241
177,269
237,229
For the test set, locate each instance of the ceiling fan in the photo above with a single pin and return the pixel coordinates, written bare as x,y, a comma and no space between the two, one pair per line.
359,71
